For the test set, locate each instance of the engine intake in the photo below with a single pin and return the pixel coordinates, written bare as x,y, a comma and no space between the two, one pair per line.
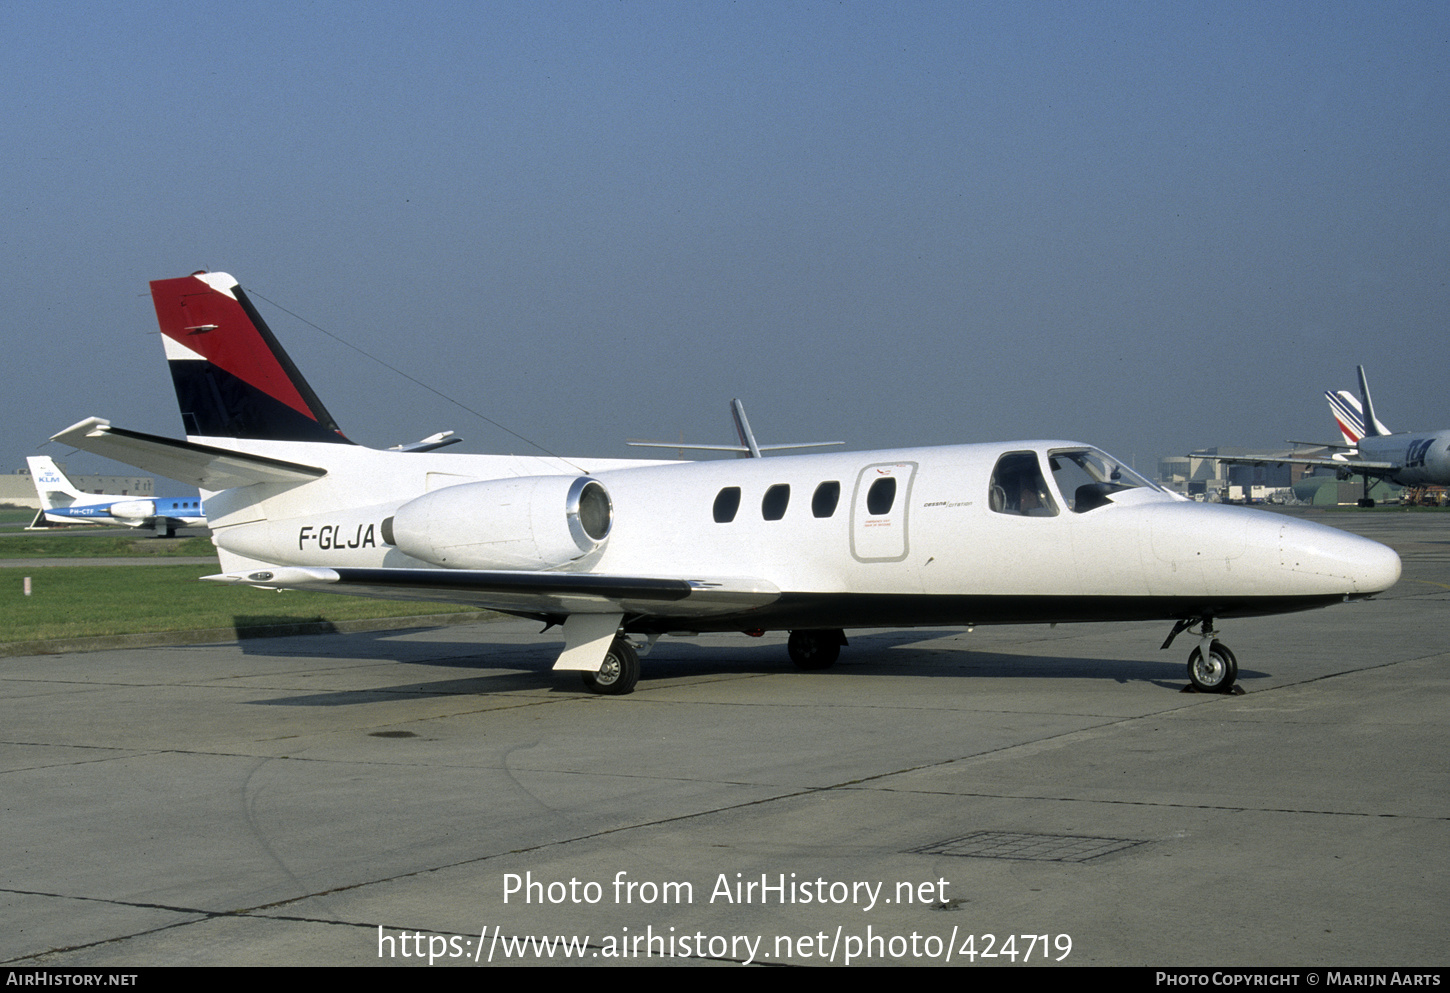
531,522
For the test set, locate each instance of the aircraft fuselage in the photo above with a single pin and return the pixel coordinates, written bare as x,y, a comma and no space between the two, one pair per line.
129,512
1424,457
937,553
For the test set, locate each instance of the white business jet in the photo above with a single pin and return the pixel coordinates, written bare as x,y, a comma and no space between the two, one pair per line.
620,552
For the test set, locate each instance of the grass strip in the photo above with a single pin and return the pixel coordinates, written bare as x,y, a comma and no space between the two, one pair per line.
92,601
68,544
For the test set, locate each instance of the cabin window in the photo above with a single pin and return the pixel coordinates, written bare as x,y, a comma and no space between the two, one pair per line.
881,496
1018,487
777,498
727,503
824,500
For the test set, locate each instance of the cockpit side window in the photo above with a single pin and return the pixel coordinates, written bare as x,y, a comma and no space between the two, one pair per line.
1019,488
1087,478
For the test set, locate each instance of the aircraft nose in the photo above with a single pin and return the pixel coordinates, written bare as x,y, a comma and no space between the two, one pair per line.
1317,550
1380,568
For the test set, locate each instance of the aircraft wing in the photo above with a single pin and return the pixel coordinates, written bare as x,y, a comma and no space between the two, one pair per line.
1312,447
530,593
1355,466
201,466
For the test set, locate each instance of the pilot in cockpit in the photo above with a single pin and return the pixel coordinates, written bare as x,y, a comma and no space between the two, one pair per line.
1018,487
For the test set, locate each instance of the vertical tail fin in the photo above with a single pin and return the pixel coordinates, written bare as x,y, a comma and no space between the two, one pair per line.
742,430
1347,414
51,485
1372,427
1355,420
232,378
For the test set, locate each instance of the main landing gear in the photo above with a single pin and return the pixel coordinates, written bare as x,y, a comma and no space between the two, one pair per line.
619,672
1212,668
1365,502
815,649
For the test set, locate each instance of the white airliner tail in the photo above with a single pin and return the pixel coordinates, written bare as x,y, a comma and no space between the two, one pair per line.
1348,414
51,484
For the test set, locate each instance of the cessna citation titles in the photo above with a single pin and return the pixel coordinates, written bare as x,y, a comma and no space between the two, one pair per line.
620,552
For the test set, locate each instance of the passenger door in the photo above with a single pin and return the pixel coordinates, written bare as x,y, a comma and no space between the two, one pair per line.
879,509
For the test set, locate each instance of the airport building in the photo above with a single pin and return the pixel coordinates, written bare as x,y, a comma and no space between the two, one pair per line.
1209,479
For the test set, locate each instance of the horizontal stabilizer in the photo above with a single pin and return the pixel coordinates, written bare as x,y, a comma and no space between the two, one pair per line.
748,447
201,466
529,593
429,444
731,448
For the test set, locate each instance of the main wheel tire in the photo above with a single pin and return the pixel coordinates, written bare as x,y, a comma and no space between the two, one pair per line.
814,649
618,674
1217,674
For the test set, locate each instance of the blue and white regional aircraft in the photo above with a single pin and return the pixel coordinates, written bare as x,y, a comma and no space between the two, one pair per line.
62,503
620,552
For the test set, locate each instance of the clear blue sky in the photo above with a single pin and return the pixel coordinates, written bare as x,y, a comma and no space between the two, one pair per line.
1151,226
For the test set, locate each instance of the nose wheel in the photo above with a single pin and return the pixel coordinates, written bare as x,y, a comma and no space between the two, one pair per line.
1212,668
1215,671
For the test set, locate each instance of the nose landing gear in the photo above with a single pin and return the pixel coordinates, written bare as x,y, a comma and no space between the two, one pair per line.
1212,668
1213,671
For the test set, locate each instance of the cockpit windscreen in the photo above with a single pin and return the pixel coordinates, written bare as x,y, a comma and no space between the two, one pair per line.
1086,477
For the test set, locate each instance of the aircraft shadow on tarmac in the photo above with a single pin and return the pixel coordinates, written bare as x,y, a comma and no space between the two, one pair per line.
513,667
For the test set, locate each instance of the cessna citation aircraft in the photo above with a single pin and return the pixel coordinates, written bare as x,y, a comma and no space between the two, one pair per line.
620,552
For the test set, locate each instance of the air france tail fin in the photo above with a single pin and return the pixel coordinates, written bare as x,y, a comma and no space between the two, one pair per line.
51,485
232,378
1345,410
1349,416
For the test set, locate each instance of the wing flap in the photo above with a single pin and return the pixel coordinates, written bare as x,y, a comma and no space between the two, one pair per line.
202,466
526,592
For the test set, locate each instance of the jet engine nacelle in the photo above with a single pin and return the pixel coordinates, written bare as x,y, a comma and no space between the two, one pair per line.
532,522
133,510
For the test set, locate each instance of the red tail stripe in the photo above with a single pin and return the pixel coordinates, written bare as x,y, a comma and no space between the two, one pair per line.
235,346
